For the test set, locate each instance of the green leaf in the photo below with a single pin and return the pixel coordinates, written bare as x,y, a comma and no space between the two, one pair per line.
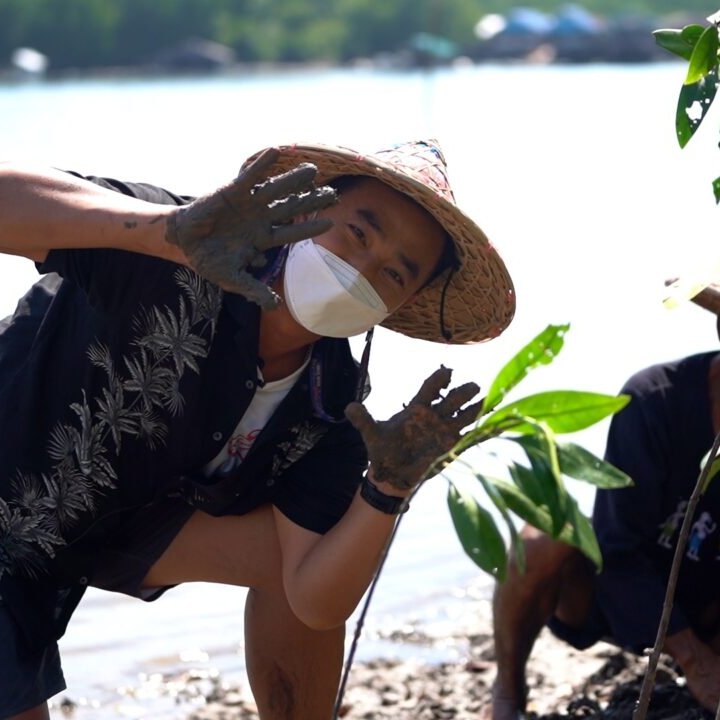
693,103
580,533
679,42
716,189
516,543
545,467
563,411
478,533
578,463
540,486
522,505
535,486
712,471
578,530
704,56
539,351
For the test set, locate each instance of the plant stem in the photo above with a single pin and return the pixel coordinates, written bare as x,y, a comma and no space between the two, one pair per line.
363,612
643,702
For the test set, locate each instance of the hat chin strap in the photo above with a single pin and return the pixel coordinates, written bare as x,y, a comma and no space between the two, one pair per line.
443,330
363,386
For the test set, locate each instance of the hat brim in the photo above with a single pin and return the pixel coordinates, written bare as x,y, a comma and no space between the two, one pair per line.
479,301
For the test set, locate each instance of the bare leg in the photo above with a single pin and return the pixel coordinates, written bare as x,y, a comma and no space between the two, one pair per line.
556,579
294,671
40,712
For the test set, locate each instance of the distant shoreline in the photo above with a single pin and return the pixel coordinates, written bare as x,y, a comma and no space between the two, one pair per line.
142,72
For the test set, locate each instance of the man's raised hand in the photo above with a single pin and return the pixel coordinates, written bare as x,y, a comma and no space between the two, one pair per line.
402,449
226,231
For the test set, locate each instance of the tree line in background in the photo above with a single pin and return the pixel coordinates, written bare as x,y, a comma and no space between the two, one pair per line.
99,33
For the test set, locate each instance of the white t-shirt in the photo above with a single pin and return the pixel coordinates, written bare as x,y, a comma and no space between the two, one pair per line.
266,400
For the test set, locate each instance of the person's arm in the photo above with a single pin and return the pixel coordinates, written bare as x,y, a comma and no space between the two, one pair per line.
700,665
218,235
44,209
326,575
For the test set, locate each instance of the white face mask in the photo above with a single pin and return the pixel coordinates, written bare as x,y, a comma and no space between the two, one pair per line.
328,296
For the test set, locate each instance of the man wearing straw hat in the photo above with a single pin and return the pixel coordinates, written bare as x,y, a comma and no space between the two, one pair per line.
660,439
178,401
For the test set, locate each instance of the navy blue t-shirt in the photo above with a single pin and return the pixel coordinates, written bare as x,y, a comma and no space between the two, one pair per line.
659,439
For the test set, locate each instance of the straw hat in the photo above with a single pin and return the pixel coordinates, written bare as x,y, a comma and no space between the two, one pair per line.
479,300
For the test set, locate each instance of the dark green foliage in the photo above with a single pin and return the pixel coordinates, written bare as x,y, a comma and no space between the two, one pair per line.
536,490
699,45
91,33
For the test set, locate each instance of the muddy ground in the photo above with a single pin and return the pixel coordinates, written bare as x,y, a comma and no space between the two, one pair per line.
600,683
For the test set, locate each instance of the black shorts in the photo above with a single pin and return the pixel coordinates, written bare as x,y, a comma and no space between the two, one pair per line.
594,629
122,565
25,681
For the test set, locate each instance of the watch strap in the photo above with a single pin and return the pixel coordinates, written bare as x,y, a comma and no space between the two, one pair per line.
388,504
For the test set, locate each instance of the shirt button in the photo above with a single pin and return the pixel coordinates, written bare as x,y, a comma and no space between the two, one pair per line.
217,436
249,384
270,482
83,580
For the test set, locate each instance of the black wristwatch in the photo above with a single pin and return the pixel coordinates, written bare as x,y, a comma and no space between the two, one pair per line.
389,504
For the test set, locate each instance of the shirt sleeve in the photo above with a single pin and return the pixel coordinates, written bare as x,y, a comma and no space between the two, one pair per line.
318,489
107,275
140,190
630,590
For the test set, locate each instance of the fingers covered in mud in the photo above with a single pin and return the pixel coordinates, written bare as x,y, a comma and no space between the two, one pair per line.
403,448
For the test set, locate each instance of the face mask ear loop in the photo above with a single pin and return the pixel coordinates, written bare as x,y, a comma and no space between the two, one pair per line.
362,386
443,330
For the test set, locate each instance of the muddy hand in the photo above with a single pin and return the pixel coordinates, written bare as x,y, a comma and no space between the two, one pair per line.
402,449
223,233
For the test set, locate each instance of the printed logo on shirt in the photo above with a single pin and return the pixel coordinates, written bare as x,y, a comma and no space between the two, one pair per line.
701,530
671,524
237,449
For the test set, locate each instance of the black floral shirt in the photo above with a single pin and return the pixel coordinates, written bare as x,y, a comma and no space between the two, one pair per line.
121,377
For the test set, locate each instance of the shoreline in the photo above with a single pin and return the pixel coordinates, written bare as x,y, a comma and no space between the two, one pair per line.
601,683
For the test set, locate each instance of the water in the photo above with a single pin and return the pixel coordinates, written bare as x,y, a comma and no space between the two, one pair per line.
573,172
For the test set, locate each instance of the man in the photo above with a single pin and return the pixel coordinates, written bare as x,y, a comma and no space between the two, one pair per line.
175,397
660,440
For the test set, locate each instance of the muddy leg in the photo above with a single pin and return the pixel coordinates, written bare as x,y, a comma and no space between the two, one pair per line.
294,671
524,603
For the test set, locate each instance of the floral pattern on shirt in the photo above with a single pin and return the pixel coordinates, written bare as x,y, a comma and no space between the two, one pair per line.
304,438
142,391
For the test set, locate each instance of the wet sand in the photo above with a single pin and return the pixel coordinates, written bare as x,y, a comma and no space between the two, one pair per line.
602,682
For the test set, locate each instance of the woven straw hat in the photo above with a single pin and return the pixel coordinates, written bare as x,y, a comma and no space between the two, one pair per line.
479,300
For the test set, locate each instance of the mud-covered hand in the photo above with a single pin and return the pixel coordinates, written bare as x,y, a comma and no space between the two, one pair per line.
402,449
223,233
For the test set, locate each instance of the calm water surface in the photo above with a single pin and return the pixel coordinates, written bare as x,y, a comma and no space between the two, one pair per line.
575,175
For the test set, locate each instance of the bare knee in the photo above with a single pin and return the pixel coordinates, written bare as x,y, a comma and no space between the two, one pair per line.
544,555
554,577
294,670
